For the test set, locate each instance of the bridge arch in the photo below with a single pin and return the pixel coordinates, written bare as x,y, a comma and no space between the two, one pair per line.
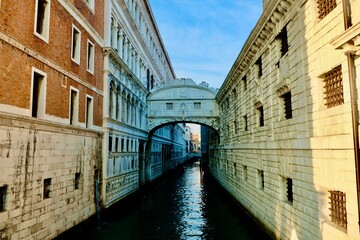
182,100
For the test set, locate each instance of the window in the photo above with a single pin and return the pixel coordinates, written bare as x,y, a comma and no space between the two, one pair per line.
234,170
260,113
74,106
75,44
90,4
258,64
3,192
122,145
244,83
47,188
260,179
89,111
38,93
90,57
338,208
325,7
197,105
287,105
235,127
245,122
42,19
110,143
283,38
244,176
77,180
286,189
117,144
333,87
169,106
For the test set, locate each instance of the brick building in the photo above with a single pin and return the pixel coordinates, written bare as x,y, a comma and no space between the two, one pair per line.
51,98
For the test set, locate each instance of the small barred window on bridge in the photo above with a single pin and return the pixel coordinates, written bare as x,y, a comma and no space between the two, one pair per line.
169,106
197,105
325,7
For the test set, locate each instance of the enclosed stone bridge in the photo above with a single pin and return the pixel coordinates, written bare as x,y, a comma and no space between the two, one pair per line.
182,100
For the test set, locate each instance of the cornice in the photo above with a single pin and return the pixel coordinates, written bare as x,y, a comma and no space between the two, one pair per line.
264,31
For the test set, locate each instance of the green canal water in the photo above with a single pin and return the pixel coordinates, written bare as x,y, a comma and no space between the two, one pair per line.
184,205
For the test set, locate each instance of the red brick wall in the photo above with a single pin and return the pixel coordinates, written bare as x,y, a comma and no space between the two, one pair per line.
17,21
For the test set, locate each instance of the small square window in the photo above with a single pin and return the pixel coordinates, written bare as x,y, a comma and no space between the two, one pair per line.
47,188
3,193
325,7
197,105
169,106
333,87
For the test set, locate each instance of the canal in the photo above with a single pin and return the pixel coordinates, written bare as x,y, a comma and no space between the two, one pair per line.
184,205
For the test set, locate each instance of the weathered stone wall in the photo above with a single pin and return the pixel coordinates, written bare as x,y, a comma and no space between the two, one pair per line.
34,150
313,148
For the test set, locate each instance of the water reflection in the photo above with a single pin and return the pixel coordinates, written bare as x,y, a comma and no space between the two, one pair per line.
190,195
182,206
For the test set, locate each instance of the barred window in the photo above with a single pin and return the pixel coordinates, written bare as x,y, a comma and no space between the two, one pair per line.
338,208
287,105
283,37
289,188
333,87
245,121
197,105
169,106
260,111
325,7
258,63
244,83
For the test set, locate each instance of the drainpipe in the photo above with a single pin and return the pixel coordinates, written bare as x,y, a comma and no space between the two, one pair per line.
354,106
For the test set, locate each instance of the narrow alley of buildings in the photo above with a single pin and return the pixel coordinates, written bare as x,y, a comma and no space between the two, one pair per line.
92,112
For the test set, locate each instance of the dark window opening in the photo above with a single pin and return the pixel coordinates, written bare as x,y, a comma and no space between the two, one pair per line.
47,188
40,20
289,190
110,143
244,83
77,180
245,118
283,37
287,105
37,83
3,192
259,67
261,116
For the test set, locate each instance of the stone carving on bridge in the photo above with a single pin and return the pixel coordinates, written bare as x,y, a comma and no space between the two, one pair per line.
182,100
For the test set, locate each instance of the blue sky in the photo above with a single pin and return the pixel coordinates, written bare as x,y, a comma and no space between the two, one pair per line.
204,37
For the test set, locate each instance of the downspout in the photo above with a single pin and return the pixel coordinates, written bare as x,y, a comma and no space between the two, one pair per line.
354,105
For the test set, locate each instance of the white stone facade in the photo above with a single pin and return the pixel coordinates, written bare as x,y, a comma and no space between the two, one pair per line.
135,64
284,143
